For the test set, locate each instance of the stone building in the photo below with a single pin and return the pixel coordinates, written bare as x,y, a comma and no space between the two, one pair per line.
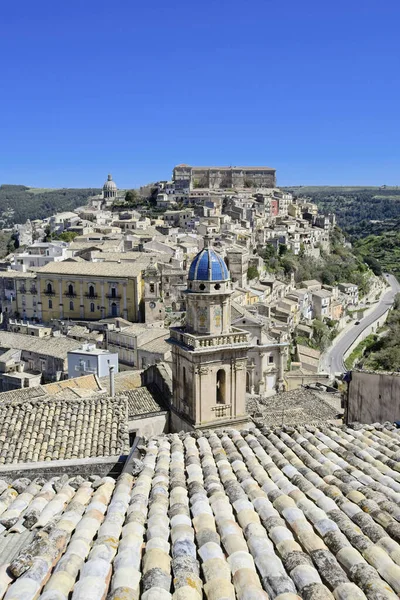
75,290
185,176
154,309
238,263
209,356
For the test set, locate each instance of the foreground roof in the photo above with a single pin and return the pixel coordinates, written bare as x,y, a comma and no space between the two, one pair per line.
284,513
62,427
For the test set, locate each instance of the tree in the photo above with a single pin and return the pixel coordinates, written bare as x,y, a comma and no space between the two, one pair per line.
252,273
132,197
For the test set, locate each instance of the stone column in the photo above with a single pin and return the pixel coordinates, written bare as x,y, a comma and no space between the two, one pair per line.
281,369
103,306
39,301
81,305
60,298
125,310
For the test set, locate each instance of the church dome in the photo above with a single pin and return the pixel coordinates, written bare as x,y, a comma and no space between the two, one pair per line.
110,185
207,265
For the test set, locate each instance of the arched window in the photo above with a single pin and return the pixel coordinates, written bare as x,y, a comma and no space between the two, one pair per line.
50,303
91,291
92,307
113,292
49,288
221,391
70,289
71,305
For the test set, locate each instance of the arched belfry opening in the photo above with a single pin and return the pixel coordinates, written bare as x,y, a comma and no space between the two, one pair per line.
221,386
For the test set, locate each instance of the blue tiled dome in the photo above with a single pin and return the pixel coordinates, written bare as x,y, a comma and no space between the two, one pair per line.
207,265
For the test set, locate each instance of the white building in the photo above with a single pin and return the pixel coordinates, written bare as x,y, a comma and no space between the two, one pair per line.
39,254
88,360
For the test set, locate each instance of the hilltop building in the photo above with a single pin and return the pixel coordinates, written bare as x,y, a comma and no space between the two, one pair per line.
215,178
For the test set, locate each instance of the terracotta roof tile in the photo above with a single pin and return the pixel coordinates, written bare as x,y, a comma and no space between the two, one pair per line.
284,513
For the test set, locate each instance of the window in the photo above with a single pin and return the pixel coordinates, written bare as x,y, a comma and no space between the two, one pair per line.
71,305
91,290
270,359
151,288
70,289
50,304
113,293
221,378
92,307
49,288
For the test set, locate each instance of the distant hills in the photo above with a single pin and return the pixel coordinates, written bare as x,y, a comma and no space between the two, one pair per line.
19,202
356,207
370,217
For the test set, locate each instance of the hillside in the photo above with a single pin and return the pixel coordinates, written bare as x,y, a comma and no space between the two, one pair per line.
19,203
384,248
359,210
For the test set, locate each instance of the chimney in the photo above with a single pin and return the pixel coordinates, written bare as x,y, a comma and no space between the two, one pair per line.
112,381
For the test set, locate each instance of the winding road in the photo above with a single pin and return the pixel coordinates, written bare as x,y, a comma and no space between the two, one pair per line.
333,360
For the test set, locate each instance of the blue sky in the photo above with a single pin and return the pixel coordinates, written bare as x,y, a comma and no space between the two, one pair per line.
89,87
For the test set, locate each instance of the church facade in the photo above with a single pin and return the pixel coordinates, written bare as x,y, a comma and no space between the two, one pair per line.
209,356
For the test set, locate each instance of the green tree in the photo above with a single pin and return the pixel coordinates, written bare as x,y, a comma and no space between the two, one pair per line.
252,273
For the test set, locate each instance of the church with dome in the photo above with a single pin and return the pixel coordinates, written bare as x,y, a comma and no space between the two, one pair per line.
209,356
110,190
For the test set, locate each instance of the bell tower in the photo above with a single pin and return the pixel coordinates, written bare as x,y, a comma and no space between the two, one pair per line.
209,356
154,309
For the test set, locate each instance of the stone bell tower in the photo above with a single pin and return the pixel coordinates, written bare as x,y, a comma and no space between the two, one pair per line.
209,356
154,309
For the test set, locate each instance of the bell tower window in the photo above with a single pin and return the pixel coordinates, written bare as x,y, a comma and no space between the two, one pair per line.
221,387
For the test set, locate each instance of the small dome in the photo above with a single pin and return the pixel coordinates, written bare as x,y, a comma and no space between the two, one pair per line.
207,265
110,184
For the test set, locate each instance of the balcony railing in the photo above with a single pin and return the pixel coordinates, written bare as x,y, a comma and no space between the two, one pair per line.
70,294
49,292
87,295
22,289
113,296
221,410
33,290
237,336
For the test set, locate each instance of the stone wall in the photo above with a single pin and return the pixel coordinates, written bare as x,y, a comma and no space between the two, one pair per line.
373,397
85,467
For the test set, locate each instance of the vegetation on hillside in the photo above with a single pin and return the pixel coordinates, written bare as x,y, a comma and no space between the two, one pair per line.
338,265
383,354
358,209
323,332
383,249
19,203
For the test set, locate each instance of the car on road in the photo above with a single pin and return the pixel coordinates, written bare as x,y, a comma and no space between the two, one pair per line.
357,323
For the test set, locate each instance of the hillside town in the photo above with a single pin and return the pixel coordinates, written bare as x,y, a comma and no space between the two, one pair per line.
121,280
168,429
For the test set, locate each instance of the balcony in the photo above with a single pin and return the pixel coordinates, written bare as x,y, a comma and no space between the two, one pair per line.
48,292
70,294
33,290
113,296
22,289
87,295
195,342
221,410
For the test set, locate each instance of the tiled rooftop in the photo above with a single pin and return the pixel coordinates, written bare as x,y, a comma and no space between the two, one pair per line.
54,346
292,408
63,427
284,513
142,402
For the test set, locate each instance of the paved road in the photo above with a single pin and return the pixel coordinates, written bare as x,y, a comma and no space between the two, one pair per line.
333,361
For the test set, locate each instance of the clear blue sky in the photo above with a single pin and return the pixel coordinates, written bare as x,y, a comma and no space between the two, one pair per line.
88,87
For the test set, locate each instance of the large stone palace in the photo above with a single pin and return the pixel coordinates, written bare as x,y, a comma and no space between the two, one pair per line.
216,178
